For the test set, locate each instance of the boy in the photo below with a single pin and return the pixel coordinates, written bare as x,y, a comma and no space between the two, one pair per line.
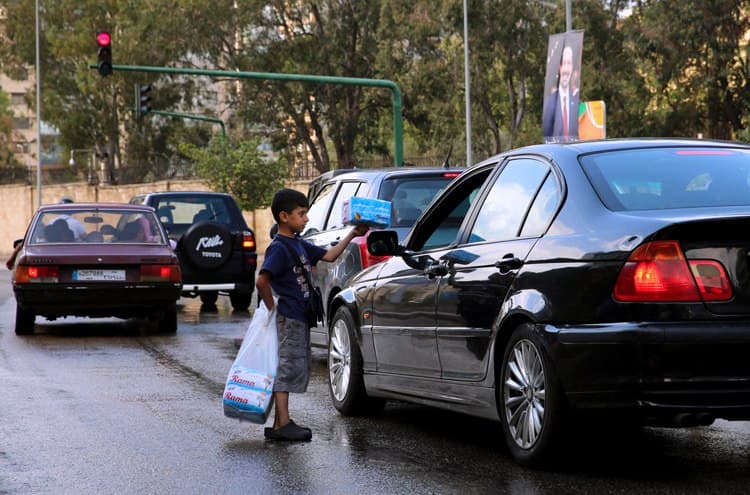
280,272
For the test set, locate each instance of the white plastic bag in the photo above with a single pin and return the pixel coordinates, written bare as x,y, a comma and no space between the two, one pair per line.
248,394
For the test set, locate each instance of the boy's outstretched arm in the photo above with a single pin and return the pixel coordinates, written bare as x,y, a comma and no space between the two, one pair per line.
336,250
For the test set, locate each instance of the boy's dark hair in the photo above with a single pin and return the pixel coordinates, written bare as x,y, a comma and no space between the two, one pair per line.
287,200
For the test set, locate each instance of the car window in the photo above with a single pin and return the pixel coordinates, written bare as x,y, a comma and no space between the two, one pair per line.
186,211
508,200
442,223
677,177
96,226
410,196
543,208
346,191
316,214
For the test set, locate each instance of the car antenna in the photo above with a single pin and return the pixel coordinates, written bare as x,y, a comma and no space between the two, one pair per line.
446,162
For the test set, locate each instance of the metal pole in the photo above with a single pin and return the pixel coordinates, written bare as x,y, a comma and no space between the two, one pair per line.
467,83
398,128
38,115
568,16
195,117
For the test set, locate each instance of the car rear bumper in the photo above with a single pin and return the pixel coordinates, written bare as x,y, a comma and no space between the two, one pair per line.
660,367
138,299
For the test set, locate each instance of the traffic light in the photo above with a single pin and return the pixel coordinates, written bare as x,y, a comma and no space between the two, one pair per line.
104,42
142,99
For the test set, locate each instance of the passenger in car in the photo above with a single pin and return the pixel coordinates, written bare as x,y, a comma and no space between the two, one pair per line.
133,231
58,231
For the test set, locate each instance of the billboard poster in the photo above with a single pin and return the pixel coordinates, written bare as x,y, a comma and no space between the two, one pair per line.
592,120
562,87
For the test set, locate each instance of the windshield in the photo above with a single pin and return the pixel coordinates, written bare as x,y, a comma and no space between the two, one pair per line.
663,178
96,226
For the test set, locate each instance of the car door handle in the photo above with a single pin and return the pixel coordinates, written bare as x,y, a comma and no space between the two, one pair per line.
436,270
508,263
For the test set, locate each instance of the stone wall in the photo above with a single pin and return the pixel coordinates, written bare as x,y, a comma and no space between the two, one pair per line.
18,204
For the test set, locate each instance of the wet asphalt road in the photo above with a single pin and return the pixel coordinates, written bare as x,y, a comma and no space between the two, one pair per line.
105,406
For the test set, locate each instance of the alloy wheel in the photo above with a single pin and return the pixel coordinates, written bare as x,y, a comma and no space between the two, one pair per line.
524,393
339,360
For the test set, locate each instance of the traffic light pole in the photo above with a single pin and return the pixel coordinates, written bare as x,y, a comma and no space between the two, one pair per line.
398,128
195,117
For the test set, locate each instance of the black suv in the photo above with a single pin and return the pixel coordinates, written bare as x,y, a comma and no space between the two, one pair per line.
215,246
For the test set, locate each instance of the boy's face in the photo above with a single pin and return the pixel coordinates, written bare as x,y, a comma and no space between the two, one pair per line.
296,220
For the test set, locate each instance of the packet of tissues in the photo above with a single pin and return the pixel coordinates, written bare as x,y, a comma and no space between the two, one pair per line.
371,212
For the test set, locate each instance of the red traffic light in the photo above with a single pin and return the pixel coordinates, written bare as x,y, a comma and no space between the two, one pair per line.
103,38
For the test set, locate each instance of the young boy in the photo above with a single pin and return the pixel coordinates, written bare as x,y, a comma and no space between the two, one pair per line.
281,272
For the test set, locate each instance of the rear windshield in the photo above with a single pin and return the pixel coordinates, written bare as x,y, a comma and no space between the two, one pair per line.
410,196
96,226
663,178
179,213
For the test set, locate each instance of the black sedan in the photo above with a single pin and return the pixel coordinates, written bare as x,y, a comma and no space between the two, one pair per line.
96,259
599,277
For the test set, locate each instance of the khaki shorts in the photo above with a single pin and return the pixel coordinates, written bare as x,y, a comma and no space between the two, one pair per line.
295,357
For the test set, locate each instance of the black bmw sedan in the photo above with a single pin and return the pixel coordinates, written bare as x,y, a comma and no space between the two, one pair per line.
602,277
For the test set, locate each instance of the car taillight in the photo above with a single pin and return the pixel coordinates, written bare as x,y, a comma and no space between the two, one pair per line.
451,175
42,274
161,273
367,258
248,241
658,272
713,282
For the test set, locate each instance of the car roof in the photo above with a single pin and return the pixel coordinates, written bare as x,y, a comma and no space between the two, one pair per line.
184,193
369,173
95,206
584,147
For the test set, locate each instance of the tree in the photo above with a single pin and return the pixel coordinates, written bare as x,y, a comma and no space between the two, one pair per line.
329,37
240,170
89,110
694,68
7,158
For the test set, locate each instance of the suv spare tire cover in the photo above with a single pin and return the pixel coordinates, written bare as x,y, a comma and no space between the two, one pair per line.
207,244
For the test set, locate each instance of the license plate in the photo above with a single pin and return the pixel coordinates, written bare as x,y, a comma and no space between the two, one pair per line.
99,275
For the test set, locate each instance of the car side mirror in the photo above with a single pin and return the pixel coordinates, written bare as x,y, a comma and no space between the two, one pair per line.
383,243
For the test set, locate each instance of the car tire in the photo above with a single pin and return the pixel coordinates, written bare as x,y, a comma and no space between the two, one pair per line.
240,300
168,320
24,321
209,298
346,384
207,245
529,398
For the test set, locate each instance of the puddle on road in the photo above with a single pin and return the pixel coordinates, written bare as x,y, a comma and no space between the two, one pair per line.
191,311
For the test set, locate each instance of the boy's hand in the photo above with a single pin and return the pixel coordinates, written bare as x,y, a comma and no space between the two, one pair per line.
360,229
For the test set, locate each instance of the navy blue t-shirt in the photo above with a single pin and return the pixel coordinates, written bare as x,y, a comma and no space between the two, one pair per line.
287,279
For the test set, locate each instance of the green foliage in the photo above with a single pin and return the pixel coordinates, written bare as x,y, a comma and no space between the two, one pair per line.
6,133
673,67
240,170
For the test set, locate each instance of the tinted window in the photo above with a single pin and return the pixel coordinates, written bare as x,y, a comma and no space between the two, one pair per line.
411,195
670,177
318,210
508,201
544,207
186,211
441,226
